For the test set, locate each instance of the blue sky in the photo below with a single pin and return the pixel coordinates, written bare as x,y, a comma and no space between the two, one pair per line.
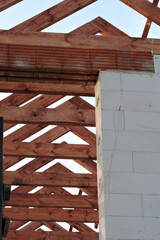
114,11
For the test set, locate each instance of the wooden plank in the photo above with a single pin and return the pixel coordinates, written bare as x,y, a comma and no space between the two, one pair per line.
80,41
47,77
58,179
48,116
56,235
52,201
51,214
80,227
51,89
107,29
51,15
31,226
49,136
149,22
66,151
15,100
42,101
4,4
146,8
28,130
85,134
98,25
16,224
54,226
89,165
60,168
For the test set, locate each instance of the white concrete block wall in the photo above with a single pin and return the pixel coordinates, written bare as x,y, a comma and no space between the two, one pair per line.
128,150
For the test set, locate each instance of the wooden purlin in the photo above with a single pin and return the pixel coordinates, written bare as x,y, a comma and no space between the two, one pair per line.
50,179
51,15
48,116
146,8
4,4
52,201
43,88
51,215
98,25
74,42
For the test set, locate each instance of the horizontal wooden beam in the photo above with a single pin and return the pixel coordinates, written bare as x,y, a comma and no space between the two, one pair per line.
51,214
55,235
146,8
66,151
52,201
51,15
51,89
4,4
56,179
47,77
48,116
80,41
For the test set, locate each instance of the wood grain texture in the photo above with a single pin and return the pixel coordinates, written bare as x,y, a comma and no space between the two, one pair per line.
58,179
56,235
51,15
51,215
149,22
80,41
4,4
146,8
51,89
98,25
48,116
52,201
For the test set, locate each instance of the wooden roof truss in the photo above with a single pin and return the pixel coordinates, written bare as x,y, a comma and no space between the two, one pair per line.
39,69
